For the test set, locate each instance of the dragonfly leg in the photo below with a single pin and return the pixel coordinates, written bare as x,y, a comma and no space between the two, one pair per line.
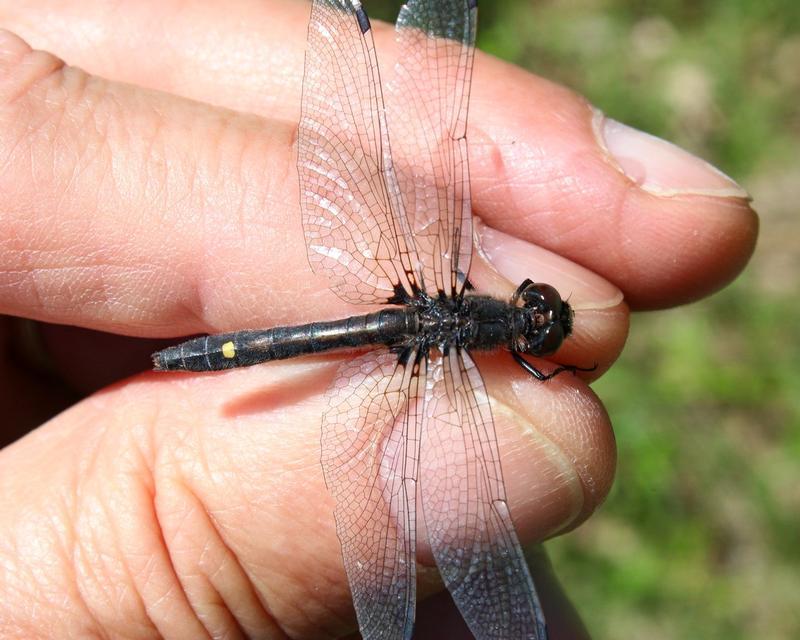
539,375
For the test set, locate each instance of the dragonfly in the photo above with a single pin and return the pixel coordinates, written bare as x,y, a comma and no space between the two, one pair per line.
407,434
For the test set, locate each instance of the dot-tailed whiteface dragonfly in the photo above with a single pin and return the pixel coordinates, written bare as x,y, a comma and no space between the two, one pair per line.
408,430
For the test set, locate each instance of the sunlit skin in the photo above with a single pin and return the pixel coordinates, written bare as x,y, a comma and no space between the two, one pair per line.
195,506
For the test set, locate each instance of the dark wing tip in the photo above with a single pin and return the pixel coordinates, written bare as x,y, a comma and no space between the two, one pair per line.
363,20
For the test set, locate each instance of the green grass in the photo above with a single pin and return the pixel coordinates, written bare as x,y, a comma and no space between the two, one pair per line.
699,538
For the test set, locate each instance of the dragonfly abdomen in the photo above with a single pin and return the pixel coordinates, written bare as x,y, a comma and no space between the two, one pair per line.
246,348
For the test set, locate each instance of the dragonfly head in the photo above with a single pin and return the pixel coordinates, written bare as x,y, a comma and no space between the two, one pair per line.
545,320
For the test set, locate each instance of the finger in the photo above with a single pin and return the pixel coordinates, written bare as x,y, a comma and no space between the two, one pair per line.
242,55
165,217
661,224
140,188
201,498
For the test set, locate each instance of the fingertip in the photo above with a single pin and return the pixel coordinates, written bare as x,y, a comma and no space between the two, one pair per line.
557,448
515,259
686,248
579,429
601,314
658,222
658,166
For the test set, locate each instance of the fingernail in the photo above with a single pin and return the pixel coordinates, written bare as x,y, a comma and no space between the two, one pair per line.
660,167
546,489
516,260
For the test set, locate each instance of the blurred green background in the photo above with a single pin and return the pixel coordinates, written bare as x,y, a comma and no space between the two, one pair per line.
700,536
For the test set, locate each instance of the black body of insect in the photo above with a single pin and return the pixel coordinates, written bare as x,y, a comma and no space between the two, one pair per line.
408,430
535,321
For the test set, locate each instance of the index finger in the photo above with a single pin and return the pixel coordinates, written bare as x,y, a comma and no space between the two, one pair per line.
661,224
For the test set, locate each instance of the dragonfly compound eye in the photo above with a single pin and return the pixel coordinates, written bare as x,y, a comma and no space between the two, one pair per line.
548,340
544,297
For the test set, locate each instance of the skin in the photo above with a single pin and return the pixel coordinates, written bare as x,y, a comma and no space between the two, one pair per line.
153,194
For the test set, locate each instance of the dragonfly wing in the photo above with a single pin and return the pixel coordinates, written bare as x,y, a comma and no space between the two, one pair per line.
464,505
428,100
370,454
355,227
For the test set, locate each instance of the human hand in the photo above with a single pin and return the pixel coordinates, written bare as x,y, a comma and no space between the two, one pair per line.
186,506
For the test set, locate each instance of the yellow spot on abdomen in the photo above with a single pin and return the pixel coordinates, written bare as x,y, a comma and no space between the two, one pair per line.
228,350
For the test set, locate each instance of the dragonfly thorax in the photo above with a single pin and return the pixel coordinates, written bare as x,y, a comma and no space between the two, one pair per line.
470,322
534,321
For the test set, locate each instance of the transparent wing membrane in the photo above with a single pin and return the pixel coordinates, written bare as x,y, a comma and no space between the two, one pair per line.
464,505
428,98
370,454
388,219
355,228
380,215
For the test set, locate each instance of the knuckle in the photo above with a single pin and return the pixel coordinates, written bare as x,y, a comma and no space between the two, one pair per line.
22,68
33,98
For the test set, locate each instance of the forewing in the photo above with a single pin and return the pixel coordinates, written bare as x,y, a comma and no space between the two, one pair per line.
355,228
464,505
428,104
370,454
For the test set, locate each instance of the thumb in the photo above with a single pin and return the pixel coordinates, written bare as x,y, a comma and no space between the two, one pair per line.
193,505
